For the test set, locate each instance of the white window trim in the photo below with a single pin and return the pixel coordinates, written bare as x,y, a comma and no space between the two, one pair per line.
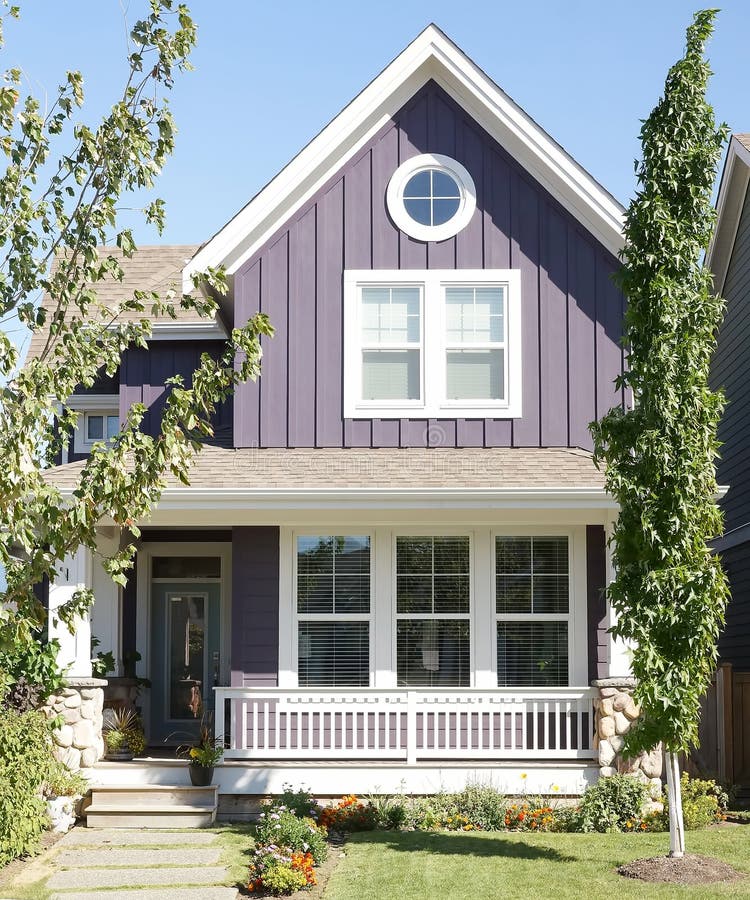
433,403
576,618
298,617
483,618
395,197
91,404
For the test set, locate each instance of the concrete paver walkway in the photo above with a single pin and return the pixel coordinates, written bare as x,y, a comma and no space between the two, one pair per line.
138,865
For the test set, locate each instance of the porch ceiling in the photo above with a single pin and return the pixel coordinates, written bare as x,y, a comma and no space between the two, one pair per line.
410,469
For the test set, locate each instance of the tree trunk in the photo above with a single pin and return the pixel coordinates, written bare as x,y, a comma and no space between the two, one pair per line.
674,796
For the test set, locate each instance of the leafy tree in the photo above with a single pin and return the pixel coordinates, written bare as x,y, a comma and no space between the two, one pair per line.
669,591
59,195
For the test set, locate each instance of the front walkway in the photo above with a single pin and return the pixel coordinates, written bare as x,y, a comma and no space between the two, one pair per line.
120,864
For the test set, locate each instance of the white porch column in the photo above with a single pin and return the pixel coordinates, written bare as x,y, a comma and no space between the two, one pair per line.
105,613
619,655
74,656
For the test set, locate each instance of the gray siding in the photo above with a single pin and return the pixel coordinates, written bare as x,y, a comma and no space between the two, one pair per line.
730,371
255,606
596,604
734,644
572,313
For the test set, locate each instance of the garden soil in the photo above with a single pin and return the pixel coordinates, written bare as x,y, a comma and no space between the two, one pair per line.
691,869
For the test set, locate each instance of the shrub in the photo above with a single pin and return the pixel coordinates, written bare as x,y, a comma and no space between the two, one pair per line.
610,803
61,782
301,802
277,874
349,815
701,803
25,762
482,805
281,828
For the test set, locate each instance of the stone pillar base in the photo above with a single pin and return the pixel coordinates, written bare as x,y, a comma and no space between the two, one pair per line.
78,741
616,711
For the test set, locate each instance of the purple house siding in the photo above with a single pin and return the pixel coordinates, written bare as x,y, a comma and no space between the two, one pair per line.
143,376
572,313
596,604
255,606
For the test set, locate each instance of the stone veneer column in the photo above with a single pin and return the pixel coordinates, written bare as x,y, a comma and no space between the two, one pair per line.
616,710
78,740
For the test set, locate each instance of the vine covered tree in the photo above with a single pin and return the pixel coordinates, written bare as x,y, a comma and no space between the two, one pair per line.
669,591
60,190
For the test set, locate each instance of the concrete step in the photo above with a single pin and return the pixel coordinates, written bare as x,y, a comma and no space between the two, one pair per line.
152,806
137,858
150,816
75,879
80,837
156,794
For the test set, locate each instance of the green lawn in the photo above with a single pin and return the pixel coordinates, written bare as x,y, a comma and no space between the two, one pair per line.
479,866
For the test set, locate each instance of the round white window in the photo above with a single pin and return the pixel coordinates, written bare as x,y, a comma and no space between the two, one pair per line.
431,197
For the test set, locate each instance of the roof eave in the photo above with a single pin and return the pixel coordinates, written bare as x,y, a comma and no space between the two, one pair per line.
732,191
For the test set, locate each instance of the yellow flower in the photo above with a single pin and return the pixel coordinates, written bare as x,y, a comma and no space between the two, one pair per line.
524,776
193,752
555,787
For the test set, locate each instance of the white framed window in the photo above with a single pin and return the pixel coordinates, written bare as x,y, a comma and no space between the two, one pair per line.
433,588
332,583
101,426
439,343
98,419
431,197
533,608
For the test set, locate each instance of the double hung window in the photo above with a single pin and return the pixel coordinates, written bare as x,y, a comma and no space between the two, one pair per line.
440,343
333,610
532,598
433,598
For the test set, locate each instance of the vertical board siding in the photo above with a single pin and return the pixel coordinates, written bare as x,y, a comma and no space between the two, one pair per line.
571,310
596,603
144,374
734,643
255,606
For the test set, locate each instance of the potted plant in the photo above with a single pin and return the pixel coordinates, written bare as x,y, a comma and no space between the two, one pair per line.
203,754
123,734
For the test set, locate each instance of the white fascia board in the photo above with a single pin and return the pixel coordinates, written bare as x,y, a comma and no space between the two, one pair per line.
383,498
732,191
187,331
430,56
93,402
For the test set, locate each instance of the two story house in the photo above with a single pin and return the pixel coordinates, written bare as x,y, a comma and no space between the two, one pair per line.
389,568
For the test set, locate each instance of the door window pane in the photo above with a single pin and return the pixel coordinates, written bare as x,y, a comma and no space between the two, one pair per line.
186,654
178,567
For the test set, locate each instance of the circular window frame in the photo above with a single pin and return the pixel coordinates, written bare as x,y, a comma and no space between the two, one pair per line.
395,197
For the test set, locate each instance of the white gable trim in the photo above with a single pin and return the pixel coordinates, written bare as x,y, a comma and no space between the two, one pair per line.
732,191
430,56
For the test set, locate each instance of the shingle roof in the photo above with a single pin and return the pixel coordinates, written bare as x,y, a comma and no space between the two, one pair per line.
744,139
299,468
156,268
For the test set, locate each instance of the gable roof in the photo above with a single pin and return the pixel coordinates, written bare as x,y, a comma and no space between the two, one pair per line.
430,56
735,178
155,268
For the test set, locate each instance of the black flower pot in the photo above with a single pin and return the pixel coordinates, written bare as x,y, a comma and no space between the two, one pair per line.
200,776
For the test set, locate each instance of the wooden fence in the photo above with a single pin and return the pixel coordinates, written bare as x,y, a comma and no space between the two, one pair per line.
724,751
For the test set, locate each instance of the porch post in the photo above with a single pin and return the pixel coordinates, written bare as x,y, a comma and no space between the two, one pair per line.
618,655
74,656
106,613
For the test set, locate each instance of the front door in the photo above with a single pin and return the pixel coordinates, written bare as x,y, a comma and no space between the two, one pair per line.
186,629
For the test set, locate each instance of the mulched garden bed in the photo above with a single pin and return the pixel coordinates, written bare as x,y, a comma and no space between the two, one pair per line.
691,869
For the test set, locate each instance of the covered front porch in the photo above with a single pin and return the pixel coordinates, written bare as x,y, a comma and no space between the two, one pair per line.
429,632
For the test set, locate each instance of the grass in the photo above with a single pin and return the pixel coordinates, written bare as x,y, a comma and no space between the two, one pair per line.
479,866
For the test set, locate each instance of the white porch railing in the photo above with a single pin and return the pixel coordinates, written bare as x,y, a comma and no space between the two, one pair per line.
407,725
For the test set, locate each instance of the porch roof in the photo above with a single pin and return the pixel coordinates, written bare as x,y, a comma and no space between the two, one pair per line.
331,469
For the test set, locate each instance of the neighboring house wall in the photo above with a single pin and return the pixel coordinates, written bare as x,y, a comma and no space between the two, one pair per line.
571,311
143,376
730,371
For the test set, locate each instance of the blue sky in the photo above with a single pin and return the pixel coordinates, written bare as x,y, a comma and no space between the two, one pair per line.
269,76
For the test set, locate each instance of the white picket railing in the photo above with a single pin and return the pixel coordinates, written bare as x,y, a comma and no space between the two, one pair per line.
407,725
